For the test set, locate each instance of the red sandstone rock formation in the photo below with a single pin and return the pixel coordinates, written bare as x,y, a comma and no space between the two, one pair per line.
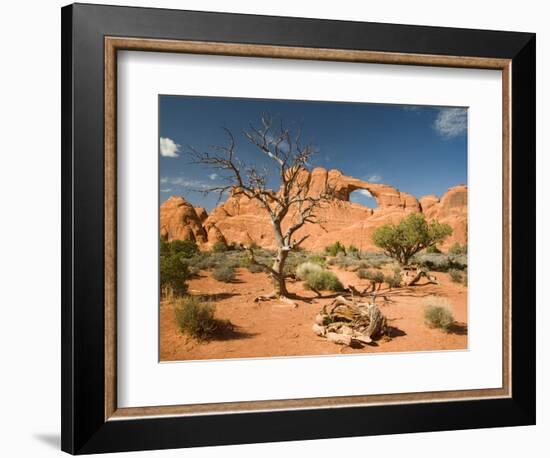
241,220
179,221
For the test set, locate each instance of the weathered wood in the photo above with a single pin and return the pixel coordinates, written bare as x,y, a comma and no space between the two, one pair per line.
349,320
411,277
340,339
377,322
319,330
320,319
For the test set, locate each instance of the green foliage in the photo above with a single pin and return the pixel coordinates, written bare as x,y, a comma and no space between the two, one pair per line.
456,275
441,262
219,247
458,249
372,275
225,273
185,248
307,268
255,268
335,248
323,280
412,234
438,314
317,259
433,249
352,250
173,273
196,318
393,280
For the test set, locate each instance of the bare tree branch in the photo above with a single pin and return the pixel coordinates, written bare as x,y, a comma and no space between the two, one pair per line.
294,196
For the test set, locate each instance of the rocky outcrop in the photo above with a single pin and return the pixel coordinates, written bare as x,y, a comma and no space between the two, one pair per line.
201,213
241,220
451,209
179,221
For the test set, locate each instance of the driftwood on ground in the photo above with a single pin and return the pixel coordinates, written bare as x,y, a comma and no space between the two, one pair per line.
412,275
345,321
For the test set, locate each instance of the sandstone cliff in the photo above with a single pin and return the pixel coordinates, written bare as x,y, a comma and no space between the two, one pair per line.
241,220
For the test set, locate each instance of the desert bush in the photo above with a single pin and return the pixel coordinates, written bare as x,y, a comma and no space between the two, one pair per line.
317,259
225,273
459,261
372,275
255,268
433,249
323,280
195,317
437,313
412,234
219,247
363,274
173,273
456,275
335,248
457,248
294,259
353,251
393,280
433,261
307,268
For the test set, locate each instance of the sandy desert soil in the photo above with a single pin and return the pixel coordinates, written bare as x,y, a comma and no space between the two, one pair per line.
272,328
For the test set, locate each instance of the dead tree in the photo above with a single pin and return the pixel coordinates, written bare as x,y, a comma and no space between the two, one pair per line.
291,207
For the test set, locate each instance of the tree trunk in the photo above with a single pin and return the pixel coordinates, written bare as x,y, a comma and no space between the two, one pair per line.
279,282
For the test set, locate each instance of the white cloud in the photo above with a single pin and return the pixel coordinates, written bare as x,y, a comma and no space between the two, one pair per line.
168,147
166,190
374,178
186,183
213,176
365,192
451,122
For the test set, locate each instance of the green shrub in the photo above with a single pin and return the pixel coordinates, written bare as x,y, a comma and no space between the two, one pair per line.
456,275
323,280
219,247
316,259
363,274
433,261
225,273
437,313
352,249
433,249
458,261
293,260
173,273
393,280
307,268
375,276
335,248
196,318
457,248
255,268
412,234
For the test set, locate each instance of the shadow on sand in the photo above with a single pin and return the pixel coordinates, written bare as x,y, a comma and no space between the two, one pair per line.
460,329
226,330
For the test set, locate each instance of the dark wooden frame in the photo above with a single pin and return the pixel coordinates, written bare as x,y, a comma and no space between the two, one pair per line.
91,34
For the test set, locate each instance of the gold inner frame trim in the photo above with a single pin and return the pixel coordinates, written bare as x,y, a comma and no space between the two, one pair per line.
114,44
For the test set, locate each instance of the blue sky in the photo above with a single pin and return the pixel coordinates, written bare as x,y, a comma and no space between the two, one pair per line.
417,149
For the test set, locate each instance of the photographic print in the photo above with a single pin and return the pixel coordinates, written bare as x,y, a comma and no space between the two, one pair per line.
303,228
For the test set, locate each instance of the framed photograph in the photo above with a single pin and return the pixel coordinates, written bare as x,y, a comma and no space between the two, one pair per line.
282,228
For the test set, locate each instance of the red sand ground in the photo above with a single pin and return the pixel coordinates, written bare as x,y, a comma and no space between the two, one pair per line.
275,329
